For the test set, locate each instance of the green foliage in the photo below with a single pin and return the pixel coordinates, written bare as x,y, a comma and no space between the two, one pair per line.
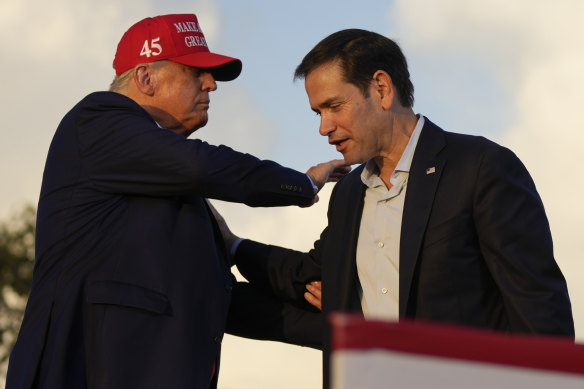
16,267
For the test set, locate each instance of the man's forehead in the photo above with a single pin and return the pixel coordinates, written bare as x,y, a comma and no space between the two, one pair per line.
326,84
330,69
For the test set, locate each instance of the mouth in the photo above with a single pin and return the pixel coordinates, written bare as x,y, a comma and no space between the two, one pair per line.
340,144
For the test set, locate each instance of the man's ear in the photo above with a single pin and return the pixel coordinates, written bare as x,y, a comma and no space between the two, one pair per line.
144,79
383,87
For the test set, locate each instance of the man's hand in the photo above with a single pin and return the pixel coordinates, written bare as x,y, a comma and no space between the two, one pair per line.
314,294
229,237
331,171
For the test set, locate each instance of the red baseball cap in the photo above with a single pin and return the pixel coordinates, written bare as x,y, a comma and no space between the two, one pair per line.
177,38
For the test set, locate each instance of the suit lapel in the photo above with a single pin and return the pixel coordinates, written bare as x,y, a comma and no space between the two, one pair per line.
346,212
424,176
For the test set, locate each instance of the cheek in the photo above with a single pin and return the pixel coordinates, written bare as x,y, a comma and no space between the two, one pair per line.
186,96
187,104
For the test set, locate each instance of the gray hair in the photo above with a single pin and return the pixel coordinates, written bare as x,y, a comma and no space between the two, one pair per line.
119,83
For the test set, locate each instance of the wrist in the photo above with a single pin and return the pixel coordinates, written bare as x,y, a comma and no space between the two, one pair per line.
314,187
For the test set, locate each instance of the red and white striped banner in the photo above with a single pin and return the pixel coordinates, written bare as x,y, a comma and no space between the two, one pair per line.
373,354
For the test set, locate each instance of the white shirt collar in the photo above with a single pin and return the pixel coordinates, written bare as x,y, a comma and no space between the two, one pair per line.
370,174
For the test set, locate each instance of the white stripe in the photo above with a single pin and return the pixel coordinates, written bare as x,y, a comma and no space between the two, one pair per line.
375,369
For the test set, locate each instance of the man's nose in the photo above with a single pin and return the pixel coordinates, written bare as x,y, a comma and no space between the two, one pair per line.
326,126
208,82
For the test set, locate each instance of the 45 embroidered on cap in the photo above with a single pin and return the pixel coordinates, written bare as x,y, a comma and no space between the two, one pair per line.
176,37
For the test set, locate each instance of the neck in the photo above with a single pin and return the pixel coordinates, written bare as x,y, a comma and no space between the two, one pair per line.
402,126
163,118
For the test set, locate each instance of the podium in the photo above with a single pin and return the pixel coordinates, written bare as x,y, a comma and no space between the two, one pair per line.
413,354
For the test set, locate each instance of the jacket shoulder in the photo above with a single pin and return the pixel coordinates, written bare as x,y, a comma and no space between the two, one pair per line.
350,180
479,147
106,108
107,101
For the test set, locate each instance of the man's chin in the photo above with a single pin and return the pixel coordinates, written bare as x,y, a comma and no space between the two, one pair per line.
200,124
350,160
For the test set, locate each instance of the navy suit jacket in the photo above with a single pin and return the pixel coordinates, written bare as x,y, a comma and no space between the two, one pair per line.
132,285
475,248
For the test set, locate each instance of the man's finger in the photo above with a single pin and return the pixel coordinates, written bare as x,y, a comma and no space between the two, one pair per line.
316,292
313,300
316,285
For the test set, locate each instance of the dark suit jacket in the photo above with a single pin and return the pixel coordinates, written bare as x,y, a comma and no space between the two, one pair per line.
131,287
475,246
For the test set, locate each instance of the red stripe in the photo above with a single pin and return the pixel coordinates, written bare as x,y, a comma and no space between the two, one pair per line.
539,352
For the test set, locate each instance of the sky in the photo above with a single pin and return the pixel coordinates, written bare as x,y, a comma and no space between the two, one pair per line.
509,71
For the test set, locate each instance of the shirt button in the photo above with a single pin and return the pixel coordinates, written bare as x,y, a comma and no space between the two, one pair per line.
380,244
384,290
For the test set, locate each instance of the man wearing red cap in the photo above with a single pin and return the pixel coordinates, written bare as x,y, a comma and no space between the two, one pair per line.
132,283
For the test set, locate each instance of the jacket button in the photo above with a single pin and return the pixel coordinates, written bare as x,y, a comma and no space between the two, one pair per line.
217,339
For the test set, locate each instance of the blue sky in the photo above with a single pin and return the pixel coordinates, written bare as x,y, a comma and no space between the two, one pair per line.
510,71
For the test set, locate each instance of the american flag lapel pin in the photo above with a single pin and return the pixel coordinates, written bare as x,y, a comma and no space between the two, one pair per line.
431,170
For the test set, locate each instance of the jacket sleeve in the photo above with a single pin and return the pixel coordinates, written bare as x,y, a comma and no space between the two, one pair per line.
123,151
258,314
515,239
278,270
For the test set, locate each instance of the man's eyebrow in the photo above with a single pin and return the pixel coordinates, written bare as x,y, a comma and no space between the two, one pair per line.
328,102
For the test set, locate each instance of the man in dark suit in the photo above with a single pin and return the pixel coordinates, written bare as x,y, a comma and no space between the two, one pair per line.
132,283
432,226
